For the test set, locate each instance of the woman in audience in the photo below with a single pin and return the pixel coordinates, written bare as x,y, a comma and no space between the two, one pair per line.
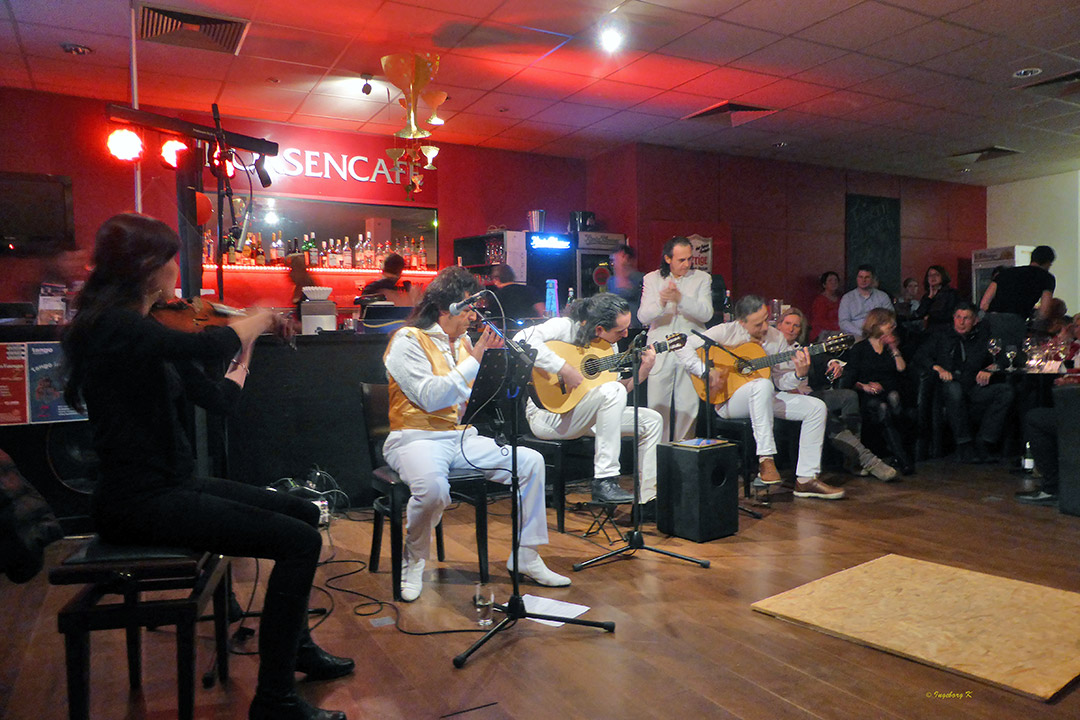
825,310
938,301
874,369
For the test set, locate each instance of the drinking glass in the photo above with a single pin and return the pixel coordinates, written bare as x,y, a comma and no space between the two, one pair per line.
1010,353
483,601
994,348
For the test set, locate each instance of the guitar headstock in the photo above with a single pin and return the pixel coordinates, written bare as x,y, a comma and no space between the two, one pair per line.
675,341
838,343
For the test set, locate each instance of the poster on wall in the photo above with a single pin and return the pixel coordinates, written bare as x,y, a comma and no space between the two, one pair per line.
702,257
32,385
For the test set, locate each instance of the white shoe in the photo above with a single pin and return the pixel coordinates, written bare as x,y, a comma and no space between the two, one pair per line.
412,579
530,565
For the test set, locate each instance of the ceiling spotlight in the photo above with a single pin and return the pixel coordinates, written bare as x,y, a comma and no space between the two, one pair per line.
1027,72
367,83
780,145
610,39
75,49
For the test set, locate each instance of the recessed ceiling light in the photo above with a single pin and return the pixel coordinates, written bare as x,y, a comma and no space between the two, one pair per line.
964,170
75,49
610,39
273,80
1027,72
781,144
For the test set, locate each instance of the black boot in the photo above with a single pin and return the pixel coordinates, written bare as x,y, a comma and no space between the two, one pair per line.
317,664
896,447
607,490
283,620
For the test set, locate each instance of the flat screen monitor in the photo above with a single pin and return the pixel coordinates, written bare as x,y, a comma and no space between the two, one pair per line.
36,214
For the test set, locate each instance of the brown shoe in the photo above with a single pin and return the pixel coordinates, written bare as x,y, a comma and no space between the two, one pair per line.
816,488
767,471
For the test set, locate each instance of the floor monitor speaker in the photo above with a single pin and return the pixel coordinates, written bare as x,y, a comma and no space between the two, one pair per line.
697,491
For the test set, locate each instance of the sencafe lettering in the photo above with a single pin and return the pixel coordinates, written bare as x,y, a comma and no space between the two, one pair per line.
315,164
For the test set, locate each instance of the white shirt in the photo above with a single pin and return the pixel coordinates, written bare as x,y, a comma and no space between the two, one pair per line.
561,328
690,313
410,367
733,334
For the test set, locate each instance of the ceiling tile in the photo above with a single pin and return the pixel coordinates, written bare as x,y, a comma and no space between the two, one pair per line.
727,82
113,81
13,72
862,25
104,16
649,27
581,55
902,83
663,72
573,114
508,43
190,62
458,98
545,84
607,93
469,72
787,57
838,104
933,7
997,16
417,29
630,123
782,94
924,42
500,142
473,8
676,133
244,112
261,96
974,60
1069,123
506,105
247,71
708,8
328,106
8,43
536,131
473,124
719,42
278,42
316,16
847,70
170,90
569,17
328,123
674,104
786,17
45,40
351,85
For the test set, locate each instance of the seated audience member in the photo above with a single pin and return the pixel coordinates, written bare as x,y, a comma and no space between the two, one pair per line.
938,301
959,357
873,370
1040,431
826,306
517,300
843,424
856,304
762,399
908,302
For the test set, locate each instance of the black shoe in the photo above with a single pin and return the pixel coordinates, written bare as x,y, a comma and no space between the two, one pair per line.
288,707
1036,497
317,664
646,510
607,490
965,453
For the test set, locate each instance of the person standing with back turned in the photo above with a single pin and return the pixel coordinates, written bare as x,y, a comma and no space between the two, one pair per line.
674,299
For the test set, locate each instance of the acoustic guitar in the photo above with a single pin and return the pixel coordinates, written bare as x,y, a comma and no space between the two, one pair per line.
598,362
749,361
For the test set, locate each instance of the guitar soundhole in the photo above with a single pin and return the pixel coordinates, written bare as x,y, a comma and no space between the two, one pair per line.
590,366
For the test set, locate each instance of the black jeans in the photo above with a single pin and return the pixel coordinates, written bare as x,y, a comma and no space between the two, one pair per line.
886,412
1040,429
990,402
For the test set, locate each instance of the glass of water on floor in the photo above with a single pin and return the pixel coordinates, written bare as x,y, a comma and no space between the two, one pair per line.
483,601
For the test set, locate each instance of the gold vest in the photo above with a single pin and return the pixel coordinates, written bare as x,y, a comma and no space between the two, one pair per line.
404,415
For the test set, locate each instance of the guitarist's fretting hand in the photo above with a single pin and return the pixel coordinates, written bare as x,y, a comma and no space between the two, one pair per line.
718,379
802,362
488,339
570,376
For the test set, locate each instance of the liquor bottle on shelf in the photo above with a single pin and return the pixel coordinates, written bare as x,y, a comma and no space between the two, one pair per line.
279,249
260,252
311,257
728,309
423,255
380,256
406,254
348,255
231,252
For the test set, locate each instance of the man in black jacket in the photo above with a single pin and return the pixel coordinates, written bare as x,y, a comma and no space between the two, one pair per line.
961,360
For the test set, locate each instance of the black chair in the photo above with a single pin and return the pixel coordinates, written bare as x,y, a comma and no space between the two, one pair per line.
393,494
562,458
741,432
130,571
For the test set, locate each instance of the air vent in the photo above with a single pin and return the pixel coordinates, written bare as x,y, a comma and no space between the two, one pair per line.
730,114
204,32
1063,87
982,155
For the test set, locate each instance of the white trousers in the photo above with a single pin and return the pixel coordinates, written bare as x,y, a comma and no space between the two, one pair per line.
666,373
759,401
603,414
424,458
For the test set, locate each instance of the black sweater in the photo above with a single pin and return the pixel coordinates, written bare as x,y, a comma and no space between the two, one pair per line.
138,374
866,366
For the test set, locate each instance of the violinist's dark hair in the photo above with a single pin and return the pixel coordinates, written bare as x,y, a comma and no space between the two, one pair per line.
127,250
599,311
449,286
669,250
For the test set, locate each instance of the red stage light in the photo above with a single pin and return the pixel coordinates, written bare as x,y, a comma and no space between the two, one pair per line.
125,145
169,151
229,169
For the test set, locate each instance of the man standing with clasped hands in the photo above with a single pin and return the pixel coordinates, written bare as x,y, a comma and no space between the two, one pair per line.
674,299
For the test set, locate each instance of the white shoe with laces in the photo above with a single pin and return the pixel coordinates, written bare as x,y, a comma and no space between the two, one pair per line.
412,579
530,565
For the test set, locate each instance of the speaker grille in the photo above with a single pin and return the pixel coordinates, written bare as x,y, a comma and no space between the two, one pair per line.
184,29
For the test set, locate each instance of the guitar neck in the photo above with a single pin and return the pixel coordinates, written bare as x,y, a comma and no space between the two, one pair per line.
770,360
613,361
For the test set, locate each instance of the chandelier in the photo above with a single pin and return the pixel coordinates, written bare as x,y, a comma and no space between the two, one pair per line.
411,73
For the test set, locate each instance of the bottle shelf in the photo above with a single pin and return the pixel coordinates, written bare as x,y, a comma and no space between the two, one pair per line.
282,269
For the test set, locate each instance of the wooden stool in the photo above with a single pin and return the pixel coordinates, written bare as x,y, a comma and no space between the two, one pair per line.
129,571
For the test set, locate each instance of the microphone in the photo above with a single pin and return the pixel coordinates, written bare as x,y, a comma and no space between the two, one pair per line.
460,307
708,341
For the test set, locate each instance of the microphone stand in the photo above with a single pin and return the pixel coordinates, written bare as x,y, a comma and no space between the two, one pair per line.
635,540
509,391
707,343
223,189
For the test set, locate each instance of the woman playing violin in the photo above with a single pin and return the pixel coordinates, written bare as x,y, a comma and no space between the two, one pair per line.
133,376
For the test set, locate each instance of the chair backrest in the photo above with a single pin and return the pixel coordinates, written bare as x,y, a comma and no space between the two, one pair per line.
376,417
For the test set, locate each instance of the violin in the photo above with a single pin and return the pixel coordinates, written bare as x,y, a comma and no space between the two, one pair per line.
194,315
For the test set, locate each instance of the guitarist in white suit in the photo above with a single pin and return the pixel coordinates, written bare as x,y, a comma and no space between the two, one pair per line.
602,411
762,399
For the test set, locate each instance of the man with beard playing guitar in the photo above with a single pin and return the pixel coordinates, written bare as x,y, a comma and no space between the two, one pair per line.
594,323
761,398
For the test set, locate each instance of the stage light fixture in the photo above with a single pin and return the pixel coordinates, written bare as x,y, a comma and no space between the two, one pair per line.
125,145
229,169
260,170
169,150
367,83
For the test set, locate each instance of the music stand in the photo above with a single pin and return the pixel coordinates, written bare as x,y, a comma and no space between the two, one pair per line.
497,391
634,539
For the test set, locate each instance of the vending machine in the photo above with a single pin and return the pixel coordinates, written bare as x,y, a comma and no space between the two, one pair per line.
594,260
985,262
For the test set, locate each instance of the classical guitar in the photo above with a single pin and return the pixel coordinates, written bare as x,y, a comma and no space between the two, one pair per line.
598,362
749,361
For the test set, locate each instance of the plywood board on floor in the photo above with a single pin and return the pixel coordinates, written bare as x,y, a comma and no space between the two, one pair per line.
1016,635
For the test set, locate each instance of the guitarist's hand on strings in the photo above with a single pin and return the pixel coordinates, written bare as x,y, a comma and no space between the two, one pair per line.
648,359
718,379
802,363
571,377
488,339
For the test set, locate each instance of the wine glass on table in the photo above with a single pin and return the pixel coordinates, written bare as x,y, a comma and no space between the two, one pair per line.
1010,354
994,348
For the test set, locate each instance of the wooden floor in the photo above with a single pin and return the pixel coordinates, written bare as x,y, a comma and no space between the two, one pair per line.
686,646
